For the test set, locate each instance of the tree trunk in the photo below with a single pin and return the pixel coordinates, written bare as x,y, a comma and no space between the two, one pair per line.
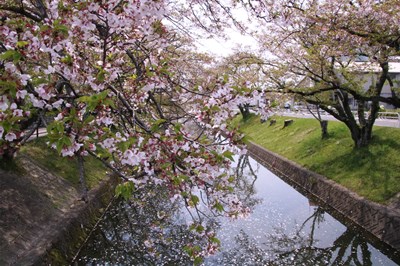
324,129
361,127
322,123
359,139
361,135
245,110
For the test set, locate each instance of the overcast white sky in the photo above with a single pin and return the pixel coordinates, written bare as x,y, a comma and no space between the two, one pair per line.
221,47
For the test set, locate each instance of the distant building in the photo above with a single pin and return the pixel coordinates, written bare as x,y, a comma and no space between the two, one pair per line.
368,74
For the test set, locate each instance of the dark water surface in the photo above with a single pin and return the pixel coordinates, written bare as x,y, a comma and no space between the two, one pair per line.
284,228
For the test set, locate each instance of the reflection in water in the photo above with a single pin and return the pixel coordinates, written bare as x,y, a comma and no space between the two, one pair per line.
156,233
298,248
152,234
245,179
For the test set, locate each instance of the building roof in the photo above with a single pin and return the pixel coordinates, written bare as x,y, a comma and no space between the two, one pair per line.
394,67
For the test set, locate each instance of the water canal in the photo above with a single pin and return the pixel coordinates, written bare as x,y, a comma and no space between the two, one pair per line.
284,228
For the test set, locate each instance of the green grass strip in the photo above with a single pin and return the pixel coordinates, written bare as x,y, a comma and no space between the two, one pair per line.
65,167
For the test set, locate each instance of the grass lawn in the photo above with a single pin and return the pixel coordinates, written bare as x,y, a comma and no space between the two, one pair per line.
373,172
63,166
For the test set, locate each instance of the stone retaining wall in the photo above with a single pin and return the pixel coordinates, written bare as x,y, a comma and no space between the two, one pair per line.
79,224
43,220
381,221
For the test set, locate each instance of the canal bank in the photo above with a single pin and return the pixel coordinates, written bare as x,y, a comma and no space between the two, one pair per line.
43,220
283,227
56,222
381,221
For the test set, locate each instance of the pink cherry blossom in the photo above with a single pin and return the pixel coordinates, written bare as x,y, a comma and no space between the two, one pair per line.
21,94
4,103
57,104
114,77
18,112
10,136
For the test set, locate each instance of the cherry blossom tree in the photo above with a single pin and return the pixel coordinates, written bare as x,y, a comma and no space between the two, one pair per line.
245,69
114,79
316,49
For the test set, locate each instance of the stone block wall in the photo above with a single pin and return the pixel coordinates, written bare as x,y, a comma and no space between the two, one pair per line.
78,225
381,221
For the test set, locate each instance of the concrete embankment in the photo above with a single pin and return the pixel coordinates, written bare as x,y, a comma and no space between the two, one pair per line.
43,221
381,221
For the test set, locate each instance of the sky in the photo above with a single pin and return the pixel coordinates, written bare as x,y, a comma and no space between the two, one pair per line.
221,47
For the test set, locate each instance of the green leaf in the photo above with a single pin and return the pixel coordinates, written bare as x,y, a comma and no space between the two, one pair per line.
194,200
14,119
88,119
125,190
177,181
38,80
84,99
124,145
92,105
102,95
10,54
218,157
157,125
177,128
105,129
218,206
67,60
10,86
160,121
215,108
101,76
67,141
96,99
62,142
22,44
198,261
60,28
215,240
199,228
180,179
165,165
55,128
188,250
109,102
6,125
229,155
226,78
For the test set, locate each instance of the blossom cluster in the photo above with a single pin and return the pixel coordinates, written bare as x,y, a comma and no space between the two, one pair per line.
100,71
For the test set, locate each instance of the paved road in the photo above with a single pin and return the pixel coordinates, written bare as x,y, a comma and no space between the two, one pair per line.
379,122
39,133
299,114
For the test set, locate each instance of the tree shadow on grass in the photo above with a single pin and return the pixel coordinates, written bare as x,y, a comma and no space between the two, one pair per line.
369,170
